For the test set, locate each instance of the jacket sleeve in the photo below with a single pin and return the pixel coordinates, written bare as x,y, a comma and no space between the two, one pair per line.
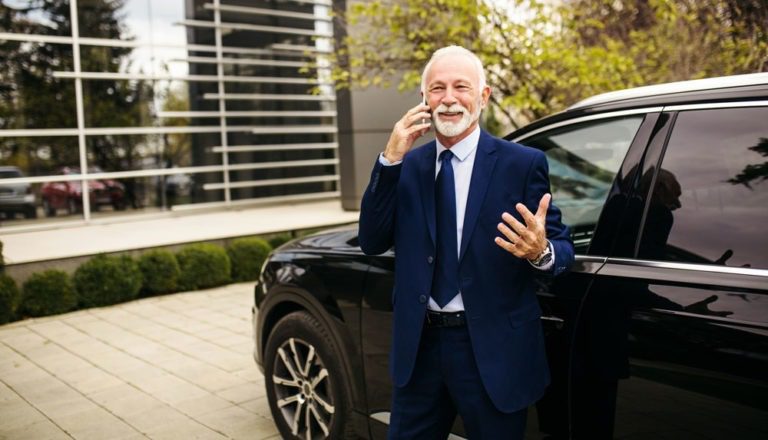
378,209
557,233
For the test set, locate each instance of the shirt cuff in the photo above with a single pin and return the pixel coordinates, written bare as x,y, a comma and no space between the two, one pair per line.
384,161
548,265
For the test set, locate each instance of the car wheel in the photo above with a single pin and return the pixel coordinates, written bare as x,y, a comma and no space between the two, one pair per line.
306,389
30,212
72,206
49,210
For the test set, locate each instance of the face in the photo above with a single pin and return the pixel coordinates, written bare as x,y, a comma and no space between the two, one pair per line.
453,93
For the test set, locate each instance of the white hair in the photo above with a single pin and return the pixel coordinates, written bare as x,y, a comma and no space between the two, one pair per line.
454,50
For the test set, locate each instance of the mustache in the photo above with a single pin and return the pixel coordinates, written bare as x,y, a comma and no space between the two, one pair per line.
455,108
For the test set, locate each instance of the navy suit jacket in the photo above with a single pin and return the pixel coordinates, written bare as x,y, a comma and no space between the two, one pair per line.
497,288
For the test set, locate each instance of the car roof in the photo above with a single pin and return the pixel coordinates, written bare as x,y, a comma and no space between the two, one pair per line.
697,85
749,87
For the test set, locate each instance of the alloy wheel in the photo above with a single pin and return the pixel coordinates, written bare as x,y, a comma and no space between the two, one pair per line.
303,389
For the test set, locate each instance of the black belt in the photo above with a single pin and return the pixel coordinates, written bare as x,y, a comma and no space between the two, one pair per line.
445,319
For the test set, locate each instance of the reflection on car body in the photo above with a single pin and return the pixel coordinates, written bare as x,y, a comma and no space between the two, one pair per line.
660,330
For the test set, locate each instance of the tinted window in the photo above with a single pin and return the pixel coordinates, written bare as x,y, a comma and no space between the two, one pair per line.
583,161
710,198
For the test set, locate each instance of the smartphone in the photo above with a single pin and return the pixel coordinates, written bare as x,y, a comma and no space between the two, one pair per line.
424,102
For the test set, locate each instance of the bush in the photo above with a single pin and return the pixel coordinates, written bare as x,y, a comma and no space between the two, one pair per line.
160,272
278,240
203,265
105,280
48,293
9,298
247,255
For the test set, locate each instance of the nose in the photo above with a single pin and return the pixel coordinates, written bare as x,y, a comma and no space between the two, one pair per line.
448,99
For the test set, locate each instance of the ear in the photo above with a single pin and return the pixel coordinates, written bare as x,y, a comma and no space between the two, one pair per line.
486,94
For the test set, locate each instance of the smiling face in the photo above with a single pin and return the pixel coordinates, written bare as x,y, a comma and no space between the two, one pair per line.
455,95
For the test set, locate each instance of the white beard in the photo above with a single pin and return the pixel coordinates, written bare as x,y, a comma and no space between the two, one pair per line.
452,129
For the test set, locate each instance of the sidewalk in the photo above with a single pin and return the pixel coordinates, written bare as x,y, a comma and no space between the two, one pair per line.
132,234
170,367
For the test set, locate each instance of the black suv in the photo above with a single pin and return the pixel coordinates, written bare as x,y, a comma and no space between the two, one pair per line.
660,331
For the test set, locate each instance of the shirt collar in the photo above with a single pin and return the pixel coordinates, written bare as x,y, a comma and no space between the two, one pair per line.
462,149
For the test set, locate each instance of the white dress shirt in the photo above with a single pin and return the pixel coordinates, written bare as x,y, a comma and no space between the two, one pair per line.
463,162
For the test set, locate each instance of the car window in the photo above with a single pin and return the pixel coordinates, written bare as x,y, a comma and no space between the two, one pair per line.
9,174
583,162
710,198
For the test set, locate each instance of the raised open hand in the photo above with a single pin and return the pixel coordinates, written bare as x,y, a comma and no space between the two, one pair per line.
527,240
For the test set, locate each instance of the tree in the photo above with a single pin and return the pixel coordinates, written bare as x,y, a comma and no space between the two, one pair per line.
542,56
31,97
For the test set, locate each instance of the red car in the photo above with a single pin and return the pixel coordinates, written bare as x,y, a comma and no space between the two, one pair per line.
69,195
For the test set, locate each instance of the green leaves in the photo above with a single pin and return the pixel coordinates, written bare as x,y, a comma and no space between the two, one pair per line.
543,56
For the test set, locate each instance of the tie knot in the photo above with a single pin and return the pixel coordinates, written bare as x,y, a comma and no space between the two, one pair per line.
446,155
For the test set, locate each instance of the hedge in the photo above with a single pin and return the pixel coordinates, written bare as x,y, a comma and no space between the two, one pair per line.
278,240
203,265
9,298
48,293
105,280
160,272
247,255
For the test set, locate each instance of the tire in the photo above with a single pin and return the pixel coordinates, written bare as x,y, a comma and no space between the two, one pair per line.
49,210
325,407
30,212
72,207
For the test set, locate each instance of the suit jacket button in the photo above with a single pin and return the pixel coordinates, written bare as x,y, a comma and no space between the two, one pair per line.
430,259
422,299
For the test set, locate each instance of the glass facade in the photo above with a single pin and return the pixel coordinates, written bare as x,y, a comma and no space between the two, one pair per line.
163,105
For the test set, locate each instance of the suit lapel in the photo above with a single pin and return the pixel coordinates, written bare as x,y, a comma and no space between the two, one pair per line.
485,160
427,185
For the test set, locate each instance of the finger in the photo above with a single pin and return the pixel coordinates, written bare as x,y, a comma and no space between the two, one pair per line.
417,127
516,226
541,213
511,236
420,116
528,217
507,246
417,109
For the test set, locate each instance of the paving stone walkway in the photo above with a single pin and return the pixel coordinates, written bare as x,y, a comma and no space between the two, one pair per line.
170,367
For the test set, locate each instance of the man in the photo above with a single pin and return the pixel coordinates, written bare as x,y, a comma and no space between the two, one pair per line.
460,213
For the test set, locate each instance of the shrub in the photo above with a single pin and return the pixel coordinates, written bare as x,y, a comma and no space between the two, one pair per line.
160,272
9,298
203,265
247,255
105,280
278,240
48,293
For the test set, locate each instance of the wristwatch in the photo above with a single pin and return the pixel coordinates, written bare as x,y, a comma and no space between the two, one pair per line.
544,257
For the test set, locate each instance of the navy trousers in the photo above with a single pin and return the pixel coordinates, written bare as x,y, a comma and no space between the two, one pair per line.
445,382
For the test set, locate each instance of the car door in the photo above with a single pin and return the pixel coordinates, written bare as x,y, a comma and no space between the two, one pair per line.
672,338
592,160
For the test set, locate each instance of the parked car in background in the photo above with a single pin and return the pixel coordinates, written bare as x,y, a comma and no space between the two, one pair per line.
16,198
68,195
659,331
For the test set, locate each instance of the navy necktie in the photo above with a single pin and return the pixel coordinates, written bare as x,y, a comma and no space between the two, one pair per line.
445,285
